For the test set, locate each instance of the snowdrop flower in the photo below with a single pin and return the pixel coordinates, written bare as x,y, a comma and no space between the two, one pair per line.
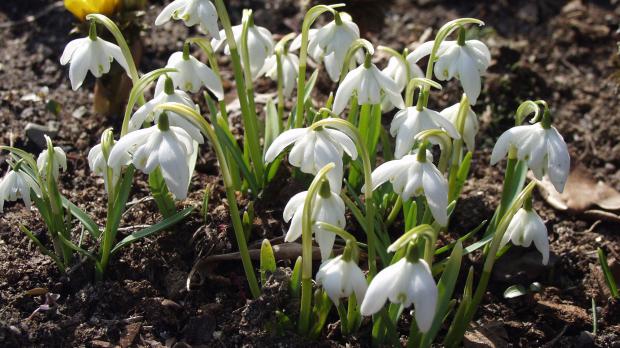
404,282
162,145
192,74
192,12
98,165
59,160
340,278
260,46
411,176
90,53
313,149
407,123
327,207
165,93
332,42
471,124
290,69
17,184
526,226
368,82
397,71
466,60
543,148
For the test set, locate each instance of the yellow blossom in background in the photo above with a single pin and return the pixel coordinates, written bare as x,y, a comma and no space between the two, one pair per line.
82,8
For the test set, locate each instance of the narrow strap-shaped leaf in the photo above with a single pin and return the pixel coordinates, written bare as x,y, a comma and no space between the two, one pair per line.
121,199
89,224
445,287
272,125
237,157
160,193
158,227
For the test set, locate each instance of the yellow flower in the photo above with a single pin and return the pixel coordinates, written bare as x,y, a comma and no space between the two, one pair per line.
82,8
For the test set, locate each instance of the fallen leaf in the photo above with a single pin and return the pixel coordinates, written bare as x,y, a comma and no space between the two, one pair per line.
130,335
492,334
581,192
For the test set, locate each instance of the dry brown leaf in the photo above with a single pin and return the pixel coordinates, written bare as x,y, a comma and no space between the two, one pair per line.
580,193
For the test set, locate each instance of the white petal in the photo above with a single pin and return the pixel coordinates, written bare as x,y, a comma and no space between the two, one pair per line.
282,141
470,77
293,204
436,191
558,161
424,296
421,51
67,53
378,290
167,12
345,90
172,160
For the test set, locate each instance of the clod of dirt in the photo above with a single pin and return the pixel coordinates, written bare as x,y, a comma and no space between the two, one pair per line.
580,193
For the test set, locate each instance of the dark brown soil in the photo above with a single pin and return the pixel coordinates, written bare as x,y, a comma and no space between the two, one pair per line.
563,52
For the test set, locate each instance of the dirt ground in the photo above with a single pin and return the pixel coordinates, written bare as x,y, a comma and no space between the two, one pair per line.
563,52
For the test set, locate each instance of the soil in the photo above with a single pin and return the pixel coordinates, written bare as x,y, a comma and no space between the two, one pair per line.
563,52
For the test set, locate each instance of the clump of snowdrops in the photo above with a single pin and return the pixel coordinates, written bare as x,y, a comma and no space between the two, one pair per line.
414,170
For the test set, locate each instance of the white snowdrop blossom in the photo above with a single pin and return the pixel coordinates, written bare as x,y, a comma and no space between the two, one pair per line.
331,43
290,69
471,124
192,12
59,161
407,123
166,94
341,278
368,83
17,184
466,62
192,74
99,166
411,177
170,149
397,71
94,55
313,149
260,46
404,283
328,209
526,226
543,148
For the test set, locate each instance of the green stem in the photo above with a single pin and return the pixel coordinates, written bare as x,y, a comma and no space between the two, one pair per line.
208,130
250,122
306,245
352,131
457,148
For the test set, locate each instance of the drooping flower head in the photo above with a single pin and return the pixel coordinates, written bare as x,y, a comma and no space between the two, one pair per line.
396,69
340,278
59,160
313,149
260,45
471,124
98,160
90,54
191,74
290,69
407,123
163,146
368,82
192,12
410,176
405,282
166,93
327,207
541,146
466,60
17,184
526,226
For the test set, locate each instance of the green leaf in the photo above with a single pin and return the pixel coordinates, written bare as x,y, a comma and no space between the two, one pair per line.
89,224
461,175
272,124
238,157
609,277
114,217
446,285
458,326
158,227
267,260
310,85
462,239
161,195
295,284
515,291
